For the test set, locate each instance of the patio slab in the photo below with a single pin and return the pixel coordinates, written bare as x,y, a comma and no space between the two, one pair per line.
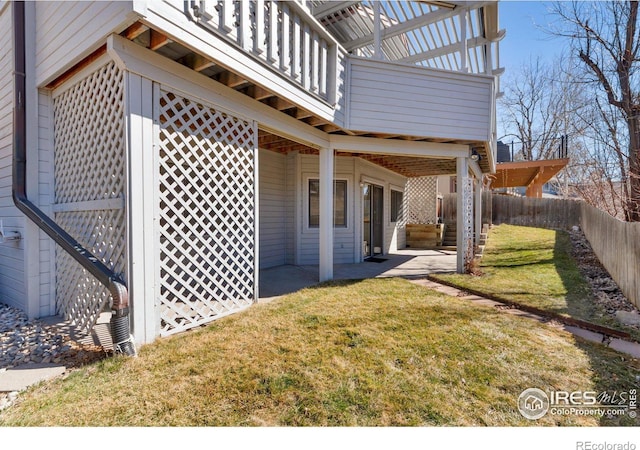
21,377
410,264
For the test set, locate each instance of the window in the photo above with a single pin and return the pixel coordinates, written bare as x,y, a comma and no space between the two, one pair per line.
396,206
339,203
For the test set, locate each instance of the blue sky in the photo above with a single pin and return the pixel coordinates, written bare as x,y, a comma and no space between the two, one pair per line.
525,40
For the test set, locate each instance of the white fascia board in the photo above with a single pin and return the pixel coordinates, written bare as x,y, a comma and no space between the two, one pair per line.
144,62
397,147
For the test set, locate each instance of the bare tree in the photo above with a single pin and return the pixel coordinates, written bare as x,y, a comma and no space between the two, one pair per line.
605,167
538,106
605,38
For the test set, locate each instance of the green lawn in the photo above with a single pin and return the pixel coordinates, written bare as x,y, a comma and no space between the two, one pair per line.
380,352
534,267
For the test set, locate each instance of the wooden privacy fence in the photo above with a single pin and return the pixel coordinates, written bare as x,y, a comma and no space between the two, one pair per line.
449,208
535,212
617,245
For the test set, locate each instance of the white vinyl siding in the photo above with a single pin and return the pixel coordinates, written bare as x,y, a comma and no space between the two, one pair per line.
290,208
68,31
394,98
343,242
273,203
347,247
12,281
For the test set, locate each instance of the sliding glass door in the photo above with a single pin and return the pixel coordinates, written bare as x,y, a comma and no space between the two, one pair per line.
373,225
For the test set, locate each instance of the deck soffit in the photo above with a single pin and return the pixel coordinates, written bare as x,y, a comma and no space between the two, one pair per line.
403,164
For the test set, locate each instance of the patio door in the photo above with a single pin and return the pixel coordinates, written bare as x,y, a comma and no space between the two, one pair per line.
372,226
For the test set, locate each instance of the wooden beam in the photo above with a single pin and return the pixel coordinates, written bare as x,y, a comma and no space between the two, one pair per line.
279,103
535,175
411,24
316,121
301,113
397,147
330,128
197,62
328,8
157,40
444,50
78,67
135,30
258,93
231,79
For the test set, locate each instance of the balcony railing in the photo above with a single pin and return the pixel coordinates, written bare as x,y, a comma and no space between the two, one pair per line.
282,35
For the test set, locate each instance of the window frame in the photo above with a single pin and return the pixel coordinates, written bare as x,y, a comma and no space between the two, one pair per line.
308,203
399,214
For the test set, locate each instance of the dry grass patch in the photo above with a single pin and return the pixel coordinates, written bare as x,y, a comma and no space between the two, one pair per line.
534,267
371,353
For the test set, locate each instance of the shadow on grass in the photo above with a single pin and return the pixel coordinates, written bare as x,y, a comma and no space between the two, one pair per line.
514,262
614,382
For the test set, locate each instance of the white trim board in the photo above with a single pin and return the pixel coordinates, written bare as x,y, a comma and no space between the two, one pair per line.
133,58
397,147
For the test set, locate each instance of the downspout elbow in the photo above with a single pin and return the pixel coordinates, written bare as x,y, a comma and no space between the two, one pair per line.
122,340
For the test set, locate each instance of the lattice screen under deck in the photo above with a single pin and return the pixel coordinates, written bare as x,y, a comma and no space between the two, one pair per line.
89,187
421,200
207,213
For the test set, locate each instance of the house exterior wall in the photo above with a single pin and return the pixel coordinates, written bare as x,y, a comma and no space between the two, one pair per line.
62,33
274,232
347,245
12,255
57,35
394,98
67,31
444,184
291,200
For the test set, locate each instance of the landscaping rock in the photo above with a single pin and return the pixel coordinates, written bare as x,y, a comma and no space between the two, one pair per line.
628,318
606,293
25,341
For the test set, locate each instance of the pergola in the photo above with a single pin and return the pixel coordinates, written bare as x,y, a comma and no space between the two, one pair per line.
449,35
531,175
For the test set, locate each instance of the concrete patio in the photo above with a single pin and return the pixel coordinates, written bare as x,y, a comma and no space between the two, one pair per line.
407,263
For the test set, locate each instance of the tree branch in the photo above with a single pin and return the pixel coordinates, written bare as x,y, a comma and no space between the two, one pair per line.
602,79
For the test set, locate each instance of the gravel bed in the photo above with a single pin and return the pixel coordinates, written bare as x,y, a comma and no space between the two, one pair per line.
606,292
24,341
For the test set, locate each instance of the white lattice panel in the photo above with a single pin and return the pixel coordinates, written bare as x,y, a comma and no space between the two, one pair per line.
207,213
467,214
421,200
89,170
